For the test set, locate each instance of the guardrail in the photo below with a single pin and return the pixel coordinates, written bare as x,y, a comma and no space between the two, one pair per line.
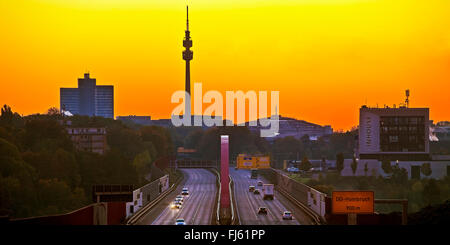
282,181
218,198
138,215
235,220
317,219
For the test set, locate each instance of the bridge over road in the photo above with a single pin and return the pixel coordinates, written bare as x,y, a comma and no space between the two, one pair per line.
190,163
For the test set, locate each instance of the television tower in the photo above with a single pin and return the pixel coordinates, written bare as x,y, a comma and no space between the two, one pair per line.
187,56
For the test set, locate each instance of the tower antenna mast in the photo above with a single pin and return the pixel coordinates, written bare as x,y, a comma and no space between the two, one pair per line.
407,98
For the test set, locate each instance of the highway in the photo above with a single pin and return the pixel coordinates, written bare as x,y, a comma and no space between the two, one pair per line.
248,203
198,207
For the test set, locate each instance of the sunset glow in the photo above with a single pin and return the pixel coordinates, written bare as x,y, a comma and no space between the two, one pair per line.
327,58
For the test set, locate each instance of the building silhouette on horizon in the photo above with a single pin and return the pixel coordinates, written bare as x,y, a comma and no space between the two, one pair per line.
88,99
140,120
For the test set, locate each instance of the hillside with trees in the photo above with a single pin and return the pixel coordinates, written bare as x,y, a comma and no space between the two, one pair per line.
41,172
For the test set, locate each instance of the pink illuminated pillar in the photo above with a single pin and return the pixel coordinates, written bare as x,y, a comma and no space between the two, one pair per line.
225,193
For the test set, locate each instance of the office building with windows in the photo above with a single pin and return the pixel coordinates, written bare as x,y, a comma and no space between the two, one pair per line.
88,99
70,100
397,133
104,101
400,136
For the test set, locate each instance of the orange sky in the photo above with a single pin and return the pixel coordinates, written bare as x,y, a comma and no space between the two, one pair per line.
326,57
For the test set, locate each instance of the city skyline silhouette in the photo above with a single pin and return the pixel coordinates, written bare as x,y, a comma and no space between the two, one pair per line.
325,59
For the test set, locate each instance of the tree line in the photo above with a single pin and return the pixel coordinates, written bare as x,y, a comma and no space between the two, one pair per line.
42,172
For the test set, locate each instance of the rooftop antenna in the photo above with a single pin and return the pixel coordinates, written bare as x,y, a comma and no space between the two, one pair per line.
407,98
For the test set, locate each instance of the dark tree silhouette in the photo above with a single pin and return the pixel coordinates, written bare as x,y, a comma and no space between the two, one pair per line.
354,165
340,162
305,165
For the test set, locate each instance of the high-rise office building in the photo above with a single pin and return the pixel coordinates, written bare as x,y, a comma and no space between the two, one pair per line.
86,89
88,99
104,101
70,100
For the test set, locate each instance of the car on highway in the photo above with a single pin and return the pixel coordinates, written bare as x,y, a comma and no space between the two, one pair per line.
185,191
262,210
254,173
176,204
260,183
251,188
256,192
267,190
287,215
179,198
180,222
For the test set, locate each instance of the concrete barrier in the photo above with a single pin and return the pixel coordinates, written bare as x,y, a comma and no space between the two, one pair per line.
146,194
134,218
310,200
235,219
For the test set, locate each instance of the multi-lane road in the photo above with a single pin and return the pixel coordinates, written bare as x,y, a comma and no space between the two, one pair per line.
198,206
248,203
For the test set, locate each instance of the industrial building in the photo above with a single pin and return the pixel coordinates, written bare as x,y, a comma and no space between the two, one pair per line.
88,99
